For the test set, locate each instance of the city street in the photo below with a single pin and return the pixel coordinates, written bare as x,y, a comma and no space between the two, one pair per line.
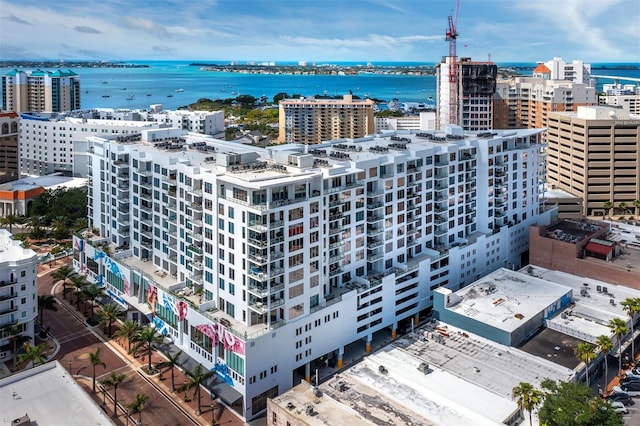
76,340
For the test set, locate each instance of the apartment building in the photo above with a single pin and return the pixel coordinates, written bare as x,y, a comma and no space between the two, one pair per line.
37,90
9,124
476,86
526,102
630,102
18,291
425,120
57,143
258,262
593,154
312,121
576,71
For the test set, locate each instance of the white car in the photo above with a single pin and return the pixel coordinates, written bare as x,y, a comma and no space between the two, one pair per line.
632,391
619,407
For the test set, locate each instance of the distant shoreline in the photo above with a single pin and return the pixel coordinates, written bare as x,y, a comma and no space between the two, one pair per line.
68,64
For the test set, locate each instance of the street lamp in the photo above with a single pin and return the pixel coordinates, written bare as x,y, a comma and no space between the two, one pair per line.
213,415
70,368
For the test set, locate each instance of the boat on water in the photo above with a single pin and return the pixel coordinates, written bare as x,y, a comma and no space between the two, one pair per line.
130,97
148,94
179,90
169,95
106,96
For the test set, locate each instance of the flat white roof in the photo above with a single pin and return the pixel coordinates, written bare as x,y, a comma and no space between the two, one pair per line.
53,181
506,299
593,309
487,364
49,397
11,250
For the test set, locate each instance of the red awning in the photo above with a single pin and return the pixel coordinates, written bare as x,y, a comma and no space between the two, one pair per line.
598,248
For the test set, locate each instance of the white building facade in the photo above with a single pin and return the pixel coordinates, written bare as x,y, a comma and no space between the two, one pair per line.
18,292
576,70
257,262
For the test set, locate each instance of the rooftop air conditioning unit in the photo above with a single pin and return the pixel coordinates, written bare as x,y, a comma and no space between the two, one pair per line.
309,410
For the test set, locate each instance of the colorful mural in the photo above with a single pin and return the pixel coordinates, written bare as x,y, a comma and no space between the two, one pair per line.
218,333
160,325
223,372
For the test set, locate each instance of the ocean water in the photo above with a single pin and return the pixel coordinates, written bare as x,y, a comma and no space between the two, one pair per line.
158,84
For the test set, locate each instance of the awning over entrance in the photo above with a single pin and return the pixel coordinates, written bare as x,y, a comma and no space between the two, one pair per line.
225,392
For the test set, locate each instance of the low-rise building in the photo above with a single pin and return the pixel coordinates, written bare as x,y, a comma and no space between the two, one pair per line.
9,157
589,248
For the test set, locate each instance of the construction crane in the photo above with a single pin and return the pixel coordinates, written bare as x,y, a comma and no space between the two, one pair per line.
451,36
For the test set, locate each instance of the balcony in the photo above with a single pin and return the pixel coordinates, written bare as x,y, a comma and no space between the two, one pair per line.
374,230
374,242
257,226
335,271
261,243
374,205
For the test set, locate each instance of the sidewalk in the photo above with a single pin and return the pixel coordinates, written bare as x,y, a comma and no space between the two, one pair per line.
163,406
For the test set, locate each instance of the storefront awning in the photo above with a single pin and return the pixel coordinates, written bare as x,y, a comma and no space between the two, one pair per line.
600,249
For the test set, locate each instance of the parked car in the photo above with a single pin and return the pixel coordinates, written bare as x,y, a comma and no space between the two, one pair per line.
628,379
619,407
625,398
632,373
632,390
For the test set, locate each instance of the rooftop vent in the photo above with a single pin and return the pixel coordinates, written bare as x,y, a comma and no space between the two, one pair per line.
382,369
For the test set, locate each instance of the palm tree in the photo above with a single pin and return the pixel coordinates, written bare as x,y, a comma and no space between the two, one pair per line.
63,273
33,353
9,220
80,224
137,405
128,330
95,360
527,397
631,306
108,314
619,328
585,353
78,282
636,204
48,302
623,207
91,292
170,363
608,205
113,381
196,378
146,338
605,344
16,339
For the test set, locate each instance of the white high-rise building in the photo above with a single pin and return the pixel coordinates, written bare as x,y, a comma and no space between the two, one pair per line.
261,262
18,291
576,71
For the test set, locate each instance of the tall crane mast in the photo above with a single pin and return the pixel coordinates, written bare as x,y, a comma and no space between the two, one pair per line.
451,36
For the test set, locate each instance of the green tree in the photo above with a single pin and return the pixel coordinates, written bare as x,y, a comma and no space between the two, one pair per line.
619,328
631,306
137,405
64,273
145,339
585,353
280,96
608,205
636,204
527,397
95,359
128,330
113,381
78,282
568,403
196,379
80,224
9,220
605,344
16,338
91,292
108,314
622,206
48,302
33,354
170,364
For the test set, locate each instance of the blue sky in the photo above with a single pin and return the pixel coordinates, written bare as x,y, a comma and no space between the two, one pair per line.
319,30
